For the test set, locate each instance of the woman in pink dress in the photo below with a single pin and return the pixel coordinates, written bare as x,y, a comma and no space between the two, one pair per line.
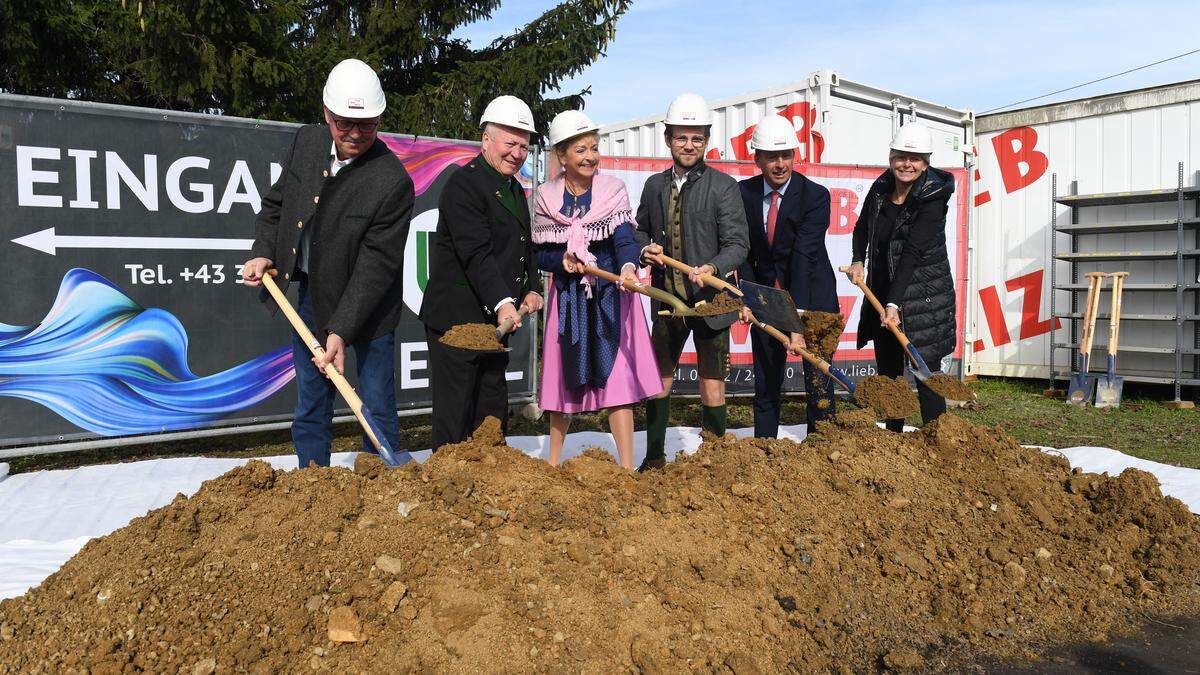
596,353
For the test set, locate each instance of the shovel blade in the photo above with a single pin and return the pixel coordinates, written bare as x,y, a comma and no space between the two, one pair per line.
1081,389
1108,392
386,452
920,369
842,379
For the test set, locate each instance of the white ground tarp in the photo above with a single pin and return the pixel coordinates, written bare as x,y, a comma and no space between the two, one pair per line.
49,515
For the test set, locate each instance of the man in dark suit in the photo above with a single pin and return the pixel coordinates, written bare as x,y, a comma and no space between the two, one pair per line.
481,266
691,213
788,216
335,222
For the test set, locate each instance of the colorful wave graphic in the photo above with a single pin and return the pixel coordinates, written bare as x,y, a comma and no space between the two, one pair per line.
425,159
114,368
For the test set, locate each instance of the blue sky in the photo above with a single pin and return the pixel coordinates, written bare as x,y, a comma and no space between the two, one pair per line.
977,55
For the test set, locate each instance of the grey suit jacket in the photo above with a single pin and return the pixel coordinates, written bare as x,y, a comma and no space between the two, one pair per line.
714,226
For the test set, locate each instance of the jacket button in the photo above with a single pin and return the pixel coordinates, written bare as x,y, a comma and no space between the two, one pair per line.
928,299
286,275
325,173
293,251
300,224
522,238
522,258
316,199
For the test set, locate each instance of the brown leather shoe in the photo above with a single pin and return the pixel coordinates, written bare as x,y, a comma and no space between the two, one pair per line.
652,463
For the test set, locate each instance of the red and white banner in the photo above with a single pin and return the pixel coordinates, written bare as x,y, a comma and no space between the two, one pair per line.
848,186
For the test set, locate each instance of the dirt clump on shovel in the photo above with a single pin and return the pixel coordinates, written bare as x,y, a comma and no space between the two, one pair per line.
722,303
950,388
473,336
890,398
856,549
823,332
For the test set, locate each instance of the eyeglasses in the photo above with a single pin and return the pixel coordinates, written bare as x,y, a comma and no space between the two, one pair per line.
365,126
689,140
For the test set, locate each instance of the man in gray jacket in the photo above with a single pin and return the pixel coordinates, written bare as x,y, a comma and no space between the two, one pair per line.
694,214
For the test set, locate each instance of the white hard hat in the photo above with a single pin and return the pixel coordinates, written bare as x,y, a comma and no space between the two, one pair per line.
569,124
509,111
689,110
774,132
353,90
913,137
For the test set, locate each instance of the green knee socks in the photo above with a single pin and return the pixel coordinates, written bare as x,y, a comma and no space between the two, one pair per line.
658,413
712,419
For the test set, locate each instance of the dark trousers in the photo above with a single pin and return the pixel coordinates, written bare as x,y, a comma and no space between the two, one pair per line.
890,358
770,366
312,428
467,388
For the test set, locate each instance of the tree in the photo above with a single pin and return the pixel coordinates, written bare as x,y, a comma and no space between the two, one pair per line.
269,58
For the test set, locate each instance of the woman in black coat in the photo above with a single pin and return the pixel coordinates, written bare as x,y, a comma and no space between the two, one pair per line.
900,249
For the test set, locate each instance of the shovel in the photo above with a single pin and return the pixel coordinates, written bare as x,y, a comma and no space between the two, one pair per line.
374,433
1082,385
501,330
1108,388
678,307
773,306
920,370
820,363
709,279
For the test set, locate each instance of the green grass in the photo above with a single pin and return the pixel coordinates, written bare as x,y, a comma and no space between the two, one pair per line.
1141,427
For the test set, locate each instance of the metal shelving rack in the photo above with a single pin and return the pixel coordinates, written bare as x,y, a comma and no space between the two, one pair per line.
1186,286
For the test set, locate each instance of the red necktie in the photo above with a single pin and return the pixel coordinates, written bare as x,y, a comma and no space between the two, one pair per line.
772,215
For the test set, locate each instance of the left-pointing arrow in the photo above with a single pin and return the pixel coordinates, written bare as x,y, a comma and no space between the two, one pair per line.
47,241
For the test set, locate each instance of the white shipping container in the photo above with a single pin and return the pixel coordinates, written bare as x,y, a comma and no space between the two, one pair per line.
1127,141
839,122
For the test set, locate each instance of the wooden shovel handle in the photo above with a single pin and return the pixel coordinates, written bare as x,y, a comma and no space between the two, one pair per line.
1114,321
507,324
314,345
613,278
900,336
708,278
1095,288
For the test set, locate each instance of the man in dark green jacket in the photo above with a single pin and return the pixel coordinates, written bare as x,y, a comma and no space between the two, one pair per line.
482,270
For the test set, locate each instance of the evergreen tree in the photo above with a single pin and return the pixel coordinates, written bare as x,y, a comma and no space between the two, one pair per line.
269,58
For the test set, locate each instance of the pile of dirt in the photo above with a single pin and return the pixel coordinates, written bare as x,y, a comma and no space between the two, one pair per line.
722,303
474,336
950,388
857,549
890,398
822,332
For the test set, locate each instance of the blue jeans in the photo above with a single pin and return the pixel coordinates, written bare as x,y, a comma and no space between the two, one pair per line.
312,428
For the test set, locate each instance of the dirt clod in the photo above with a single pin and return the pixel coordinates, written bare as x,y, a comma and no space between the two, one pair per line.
474,336
950,388
890,398
906,551
822,332
722,303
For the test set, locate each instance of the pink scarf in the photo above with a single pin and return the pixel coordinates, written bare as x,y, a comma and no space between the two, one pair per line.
609,209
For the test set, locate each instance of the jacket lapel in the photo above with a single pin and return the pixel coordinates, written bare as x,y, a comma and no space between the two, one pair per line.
665,197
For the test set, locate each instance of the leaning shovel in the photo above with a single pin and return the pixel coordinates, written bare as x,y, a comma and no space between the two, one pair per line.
1108,388
1082,386
360,410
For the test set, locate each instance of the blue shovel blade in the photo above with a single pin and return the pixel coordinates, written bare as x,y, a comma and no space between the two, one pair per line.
386,453
842,379
922,371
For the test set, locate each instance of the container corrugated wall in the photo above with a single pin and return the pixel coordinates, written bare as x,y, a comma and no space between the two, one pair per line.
839,122
1124,142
